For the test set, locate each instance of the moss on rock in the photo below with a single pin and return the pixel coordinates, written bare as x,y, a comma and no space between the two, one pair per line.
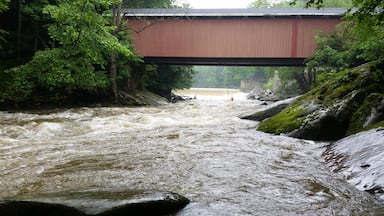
283,122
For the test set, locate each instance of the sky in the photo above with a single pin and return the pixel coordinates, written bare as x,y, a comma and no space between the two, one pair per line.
198,4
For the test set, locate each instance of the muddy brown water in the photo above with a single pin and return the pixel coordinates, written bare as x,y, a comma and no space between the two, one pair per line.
197,148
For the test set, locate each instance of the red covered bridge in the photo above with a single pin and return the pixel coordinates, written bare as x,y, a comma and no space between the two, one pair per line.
229,36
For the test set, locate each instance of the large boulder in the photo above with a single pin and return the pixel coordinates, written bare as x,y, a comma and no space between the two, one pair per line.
98,203
359,158
350,102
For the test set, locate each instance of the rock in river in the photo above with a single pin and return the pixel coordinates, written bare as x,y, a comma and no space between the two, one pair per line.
269,111
98,203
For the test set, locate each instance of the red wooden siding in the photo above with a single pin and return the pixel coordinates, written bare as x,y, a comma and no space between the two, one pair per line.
229,38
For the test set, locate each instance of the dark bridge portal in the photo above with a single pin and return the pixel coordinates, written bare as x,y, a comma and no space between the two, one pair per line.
229,36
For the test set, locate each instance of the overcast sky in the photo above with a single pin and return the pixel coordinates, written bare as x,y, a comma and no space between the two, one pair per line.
217,3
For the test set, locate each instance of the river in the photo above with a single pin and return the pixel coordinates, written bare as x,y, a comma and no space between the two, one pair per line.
197,148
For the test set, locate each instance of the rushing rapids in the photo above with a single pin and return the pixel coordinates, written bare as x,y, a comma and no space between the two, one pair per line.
197,148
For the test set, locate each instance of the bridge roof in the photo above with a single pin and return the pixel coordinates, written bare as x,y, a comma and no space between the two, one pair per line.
249,12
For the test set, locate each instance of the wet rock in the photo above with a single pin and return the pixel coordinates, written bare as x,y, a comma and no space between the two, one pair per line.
256,93
33,208
94,203
335,109
269,111
359,158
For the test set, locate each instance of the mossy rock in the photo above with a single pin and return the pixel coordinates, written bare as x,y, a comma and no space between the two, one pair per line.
285,121
325,112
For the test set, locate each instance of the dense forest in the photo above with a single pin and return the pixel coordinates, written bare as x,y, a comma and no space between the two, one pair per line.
57,52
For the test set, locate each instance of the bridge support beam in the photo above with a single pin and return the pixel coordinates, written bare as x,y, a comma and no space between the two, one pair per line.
226,61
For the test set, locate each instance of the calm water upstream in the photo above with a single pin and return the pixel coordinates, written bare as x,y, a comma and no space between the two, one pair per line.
197,148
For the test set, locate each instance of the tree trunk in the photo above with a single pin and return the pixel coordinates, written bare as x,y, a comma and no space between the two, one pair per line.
19,28
116,10
113,77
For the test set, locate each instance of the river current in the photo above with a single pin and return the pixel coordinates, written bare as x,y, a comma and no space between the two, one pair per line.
197,148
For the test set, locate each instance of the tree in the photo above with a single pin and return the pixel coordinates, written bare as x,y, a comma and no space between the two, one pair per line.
320,3
81,40
117,23
3,7
78,26
58,49
336,51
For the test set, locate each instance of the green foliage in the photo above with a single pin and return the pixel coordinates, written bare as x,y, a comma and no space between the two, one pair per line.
359,39
320,3
3,7
51,71
355,42
336,51
78,26
81,41
14,85
75,39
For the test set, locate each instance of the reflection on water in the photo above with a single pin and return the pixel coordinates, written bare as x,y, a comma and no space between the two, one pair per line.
198,148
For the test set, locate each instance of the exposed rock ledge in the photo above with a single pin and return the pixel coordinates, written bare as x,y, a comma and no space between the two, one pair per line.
360,159
94,203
